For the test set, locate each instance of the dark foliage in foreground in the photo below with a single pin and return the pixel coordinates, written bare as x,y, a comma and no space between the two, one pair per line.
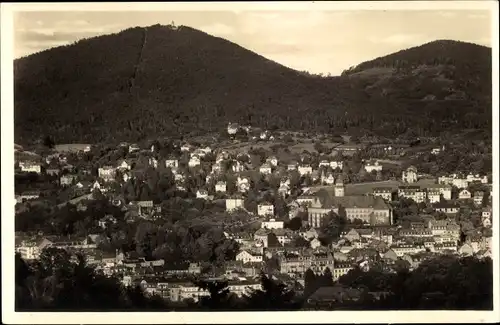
160,81
446,282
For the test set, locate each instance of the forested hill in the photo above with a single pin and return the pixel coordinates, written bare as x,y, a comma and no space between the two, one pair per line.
165,80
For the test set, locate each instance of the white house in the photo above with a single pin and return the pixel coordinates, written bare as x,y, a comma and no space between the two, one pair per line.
324,163
486,217
243,184
305,170
433,196
272,224
315,243
248,257
107,173
478,197
265,209
237,167
234,203
373,166
265,169
194,161
444,190
220,187
124,165
97,186
383,192
133,147
285,181
486,213
232,128
202,194
464,194
337,164
327,180
30,167
186,147
172,163
273,161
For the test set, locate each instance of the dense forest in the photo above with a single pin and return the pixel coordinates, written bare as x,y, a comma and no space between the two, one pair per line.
168,81
54,283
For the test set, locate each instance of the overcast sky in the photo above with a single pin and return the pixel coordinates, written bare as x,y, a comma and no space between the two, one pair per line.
316,41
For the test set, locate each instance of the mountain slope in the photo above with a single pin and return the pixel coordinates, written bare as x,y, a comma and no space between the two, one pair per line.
160,80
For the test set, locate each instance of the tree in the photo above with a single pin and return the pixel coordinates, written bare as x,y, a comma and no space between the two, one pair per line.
219,294
300,242
274,295
48,142
310,283
294,224
326,279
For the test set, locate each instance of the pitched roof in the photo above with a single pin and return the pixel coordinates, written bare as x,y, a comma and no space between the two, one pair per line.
354,201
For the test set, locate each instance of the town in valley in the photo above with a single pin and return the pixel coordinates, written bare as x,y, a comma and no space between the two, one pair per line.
313,212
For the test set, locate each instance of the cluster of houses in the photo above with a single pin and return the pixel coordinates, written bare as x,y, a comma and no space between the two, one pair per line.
375,239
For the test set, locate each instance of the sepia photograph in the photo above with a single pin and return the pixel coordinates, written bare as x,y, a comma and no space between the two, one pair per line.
206,158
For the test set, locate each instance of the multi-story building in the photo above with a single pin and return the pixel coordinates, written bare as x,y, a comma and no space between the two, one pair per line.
434,196
247,256
265,209
369,209
297,264
341,269
443,189
383,192
412,192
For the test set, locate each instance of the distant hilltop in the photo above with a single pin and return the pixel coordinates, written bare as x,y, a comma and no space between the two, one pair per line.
167,80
